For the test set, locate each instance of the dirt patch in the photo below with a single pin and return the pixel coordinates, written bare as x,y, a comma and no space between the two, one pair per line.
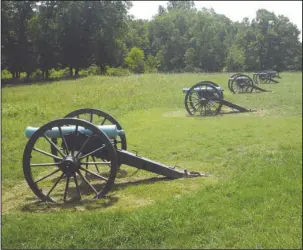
123,195
224,111
19,194
261,112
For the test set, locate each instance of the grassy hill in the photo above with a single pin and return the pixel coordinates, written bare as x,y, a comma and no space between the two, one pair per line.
252,199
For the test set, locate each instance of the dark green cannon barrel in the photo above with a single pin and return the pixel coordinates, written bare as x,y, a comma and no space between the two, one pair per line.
110,130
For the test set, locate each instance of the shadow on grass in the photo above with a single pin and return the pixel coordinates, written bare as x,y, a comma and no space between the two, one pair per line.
121,186
251,93
87,203
74,205
220,113
235,112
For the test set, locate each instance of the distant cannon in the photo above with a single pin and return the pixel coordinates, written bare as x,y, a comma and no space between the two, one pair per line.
266,76
239,83
206,98
61,152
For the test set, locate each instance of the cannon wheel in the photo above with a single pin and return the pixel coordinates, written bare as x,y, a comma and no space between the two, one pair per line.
262,77
230,80
217,85
267,77
94,115
207,103
258,79
248,85
255,78
51,180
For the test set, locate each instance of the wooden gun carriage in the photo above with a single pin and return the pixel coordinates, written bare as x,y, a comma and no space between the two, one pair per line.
67,148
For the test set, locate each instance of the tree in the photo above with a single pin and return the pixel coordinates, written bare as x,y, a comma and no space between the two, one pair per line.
137,35
235,59
135,60
208,34
73,42
43,30
15,38
111,30
161,10
180,5
59,34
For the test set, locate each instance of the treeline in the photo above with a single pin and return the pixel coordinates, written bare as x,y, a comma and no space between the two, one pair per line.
43,37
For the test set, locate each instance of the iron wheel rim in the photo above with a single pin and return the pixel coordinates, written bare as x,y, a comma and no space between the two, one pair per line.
205,98
247,86
230,81
70,165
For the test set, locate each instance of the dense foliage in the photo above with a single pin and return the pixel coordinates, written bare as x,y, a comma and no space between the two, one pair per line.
41,37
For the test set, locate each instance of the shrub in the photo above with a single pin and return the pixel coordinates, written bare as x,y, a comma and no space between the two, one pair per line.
116,71
135,60
84,72
151,70
151,64
38,73
94,70
5,74
22,75
191,69
53,74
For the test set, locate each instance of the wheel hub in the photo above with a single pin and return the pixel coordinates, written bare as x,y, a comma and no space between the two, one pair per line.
69,165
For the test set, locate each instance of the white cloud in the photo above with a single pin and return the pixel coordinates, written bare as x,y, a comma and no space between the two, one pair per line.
235,10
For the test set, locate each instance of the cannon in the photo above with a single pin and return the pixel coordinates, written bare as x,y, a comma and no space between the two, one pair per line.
266,77
206,98
80,155
240,83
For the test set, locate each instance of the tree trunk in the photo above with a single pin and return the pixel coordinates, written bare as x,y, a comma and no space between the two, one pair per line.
76,71
46,73
43,73
102,68
70,71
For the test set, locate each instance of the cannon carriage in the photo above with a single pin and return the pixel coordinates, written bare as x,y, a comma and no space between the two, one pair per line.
266,77
69,158
206,98
240,83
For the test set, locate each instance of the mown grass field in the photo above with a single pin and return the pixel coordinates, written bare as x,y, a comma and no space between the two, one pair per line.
252,199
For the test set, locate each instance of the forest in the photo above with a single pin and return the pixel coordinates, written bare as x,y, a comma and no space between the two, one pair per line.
49,39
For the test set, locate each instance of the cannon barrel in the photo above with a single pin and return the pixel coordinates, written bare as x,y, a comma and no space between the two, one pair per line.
110,130
185,90
239,78
267,73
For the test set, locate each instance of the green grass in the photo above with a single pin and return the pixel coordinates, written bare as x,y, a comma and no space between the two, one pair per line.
253,198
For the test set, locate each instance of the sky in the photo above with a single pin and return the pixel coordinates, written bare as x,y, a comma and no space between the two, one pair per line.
234,10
